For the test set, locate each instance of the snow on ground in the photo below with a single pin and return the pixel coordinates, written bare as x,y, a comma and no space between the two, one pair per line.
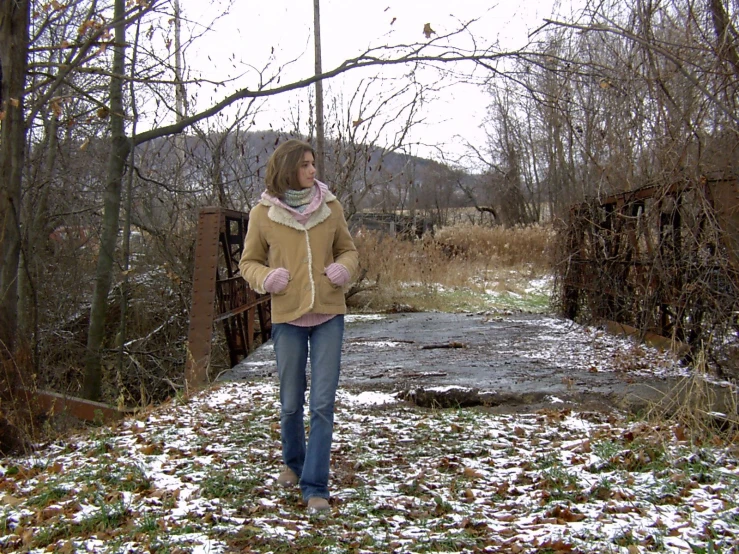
566,344
197,475
350,318
540,285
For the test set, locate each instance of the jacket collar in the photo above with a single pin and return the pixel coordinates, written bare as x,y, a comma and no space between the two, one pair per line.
280,215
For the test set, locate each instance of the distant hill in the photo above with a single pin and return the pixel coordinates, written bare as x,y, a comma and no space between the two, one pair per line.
365,177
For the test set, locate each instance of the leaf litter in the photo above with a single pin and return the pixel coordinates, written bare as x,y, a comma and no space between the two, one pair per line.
198,475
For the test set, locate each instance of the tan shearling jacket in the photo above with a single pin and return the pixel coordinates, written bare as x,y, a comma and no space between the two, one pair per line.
275,239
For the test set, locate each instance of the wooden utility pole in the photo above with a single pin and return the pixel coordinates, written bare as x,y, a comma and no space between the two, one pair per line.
179,93
320,143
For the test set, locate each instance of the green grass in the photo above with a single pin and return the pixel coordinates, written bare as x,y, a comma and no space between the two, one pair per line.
132,478
602,489
148,525
608,452
559,484
465,299
710,549
110,516
499,289
637,456
441,472
228,485
50,534
4,525
49,495
700,465
548,460
625,538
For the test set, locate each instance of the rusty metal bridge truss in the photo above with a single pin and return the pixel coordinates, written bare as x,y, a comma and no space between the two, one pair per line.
221,296
661,259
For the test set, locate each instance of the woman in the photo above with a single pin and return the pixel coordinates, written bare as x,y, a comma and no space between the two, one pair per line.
298,248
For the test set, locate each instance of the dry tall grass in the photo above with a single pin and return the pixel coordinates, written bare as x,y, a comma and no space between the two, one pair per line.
517,247
407,274
698,408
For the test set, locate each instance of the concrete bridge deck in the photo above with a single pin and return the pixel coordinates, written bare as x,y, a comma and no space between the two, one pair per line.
510,362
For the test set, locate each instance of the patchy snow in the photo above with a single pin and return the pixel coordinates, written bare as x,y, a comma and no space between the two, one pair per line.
569,345
198,475
540,285
260,363
379,344
366,398
448,388
350,318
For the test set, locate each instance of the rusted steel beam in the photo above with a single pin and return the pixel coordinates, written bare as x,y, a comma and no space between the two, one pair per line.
652,191
202,311
220,295
725,199
652,339
53,403
241,309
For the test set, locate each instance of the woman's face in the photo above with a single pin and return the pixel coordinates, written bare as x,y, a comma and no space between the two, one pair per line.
306,171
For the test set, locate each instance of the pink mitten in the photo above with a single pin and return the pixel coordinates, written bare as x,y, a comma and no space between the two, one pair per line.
338,274
277,280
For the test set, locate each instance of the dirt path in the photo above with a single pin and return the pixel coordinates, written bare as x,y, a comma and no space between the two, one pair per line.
516,362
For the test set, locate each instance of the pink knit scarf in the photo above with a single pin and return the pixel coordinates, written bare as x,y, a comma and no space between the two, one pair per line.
301,217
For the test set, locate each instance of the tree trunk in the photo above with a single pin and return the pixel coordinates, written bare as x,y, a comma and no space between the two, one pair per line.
14,21
120,147
725,35
36,232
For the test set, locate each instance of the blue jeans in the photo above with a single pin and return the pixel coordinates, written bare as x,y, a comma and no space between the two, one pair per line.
311,463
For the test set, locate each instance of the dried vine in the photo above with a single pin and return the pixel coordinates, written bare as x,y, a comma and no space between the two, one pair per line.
662,259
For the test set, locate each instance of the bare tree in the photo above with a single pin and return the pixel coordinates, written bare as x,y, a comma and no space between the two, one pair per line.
14,24
96,54
644,91
365,129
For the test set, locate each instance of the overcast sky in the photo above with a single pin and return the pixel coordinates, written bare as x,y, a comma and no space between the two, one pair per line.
254,32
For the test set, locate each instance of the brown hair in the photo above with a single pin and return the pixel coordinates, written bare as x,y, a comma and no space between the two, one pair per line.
283,165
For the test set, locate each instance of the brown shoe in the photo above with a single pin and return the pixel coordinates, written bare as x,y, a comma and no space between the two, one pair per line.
287,478
317,505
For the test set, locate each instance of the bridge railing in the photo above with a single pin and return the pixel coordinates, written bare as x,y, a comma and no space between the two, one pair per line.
661,259
221,296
